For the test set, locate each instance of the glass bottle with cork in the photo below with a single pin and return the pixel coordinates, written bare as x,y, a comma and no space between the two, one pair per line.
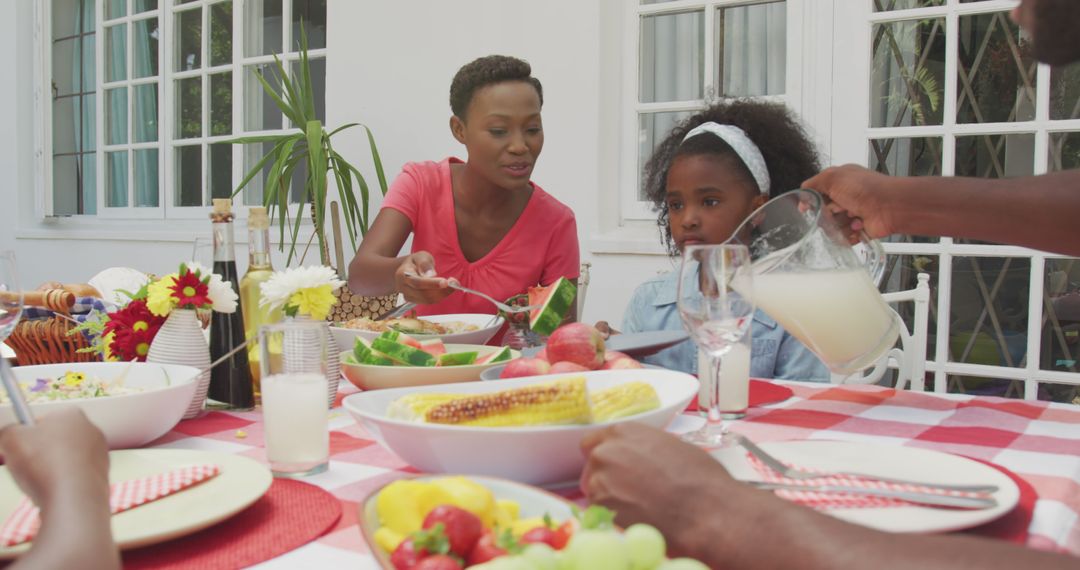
259,270
230,381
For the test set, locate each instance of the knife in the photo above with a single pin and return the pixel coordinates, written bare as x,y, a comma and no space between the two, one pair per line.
963,502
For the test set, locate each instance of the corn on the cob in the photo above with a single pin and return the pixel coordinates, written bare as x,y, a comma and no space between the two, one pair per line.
624,400
563,401
412,407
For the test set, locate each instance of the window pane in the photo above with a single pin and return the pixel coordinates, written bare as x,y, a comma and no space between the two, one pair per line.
220,170
652,128
1060,348
1064,151
188,176
753,56
989,313
146,48
116,116
65,183
672,57
262,27
145,5
318,84
87,117
116,53
1065,92
260,111
189,107
996,77
64,15
188,40
145,120
888,5
88,73
253,153
63,69
313,14
221,33
908,79
906,156
146,178
65,121
116,179
89,184
221,104
115,9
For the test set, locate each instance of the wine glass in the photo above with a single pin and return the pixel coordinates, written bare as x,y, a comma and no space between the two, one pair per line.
717,310
11,300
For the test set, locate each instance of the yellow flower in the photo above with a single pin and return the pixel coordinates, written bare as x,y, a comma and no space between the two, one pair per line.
313,301
74,378
159,298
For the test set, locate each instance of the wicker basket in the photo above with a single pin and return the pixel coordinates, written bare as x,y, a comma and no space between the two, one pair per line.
46,341
351,306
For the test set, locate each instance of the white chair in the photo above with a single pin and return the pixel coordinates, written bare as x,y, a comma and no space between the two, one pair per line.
910,357
582,288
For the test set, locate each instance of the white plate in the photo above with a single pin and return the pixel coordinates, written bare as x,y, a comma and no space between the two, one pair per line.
127,420
891,461
241,482
345,338
534,502
372,377
493,373
539,455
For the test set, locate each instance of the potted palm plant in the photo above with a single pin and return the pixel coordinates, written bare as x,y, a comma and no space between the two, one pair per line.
311,146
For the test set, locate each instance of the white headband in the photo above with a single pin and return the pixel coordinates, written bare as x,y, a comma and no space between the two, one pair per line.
742,145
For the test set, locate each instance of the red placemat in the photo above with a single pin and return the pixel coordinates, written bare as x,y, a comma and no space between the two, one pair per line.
288,516
1012,527
762,392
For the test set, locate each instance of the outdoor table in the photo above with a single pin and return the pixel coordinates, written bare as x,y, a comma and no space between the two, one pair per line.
1038,441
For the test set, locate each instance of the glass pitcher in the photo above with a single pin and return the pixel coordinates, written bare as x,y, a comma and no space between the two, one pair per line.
819,287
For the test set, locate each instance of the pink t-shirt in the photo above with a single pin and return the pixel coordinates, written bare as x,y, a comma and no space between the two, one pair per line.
541,247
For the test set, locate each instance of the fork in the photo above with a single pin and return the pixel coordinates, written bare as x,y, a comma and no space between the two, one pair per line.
796,473
453,284
983,502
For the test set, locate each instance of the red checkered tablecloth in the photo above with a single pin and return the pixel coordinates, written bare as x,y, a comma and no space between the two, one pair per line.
1038,441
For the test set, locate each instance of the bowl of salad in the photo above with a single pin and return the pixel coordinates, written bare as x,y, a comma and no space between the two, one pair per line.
133,403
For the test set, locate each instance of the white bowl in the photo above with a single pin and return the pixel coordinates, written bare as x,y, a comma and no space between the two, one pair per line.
493,373
540,455
533,502
128,420
372,377
345,338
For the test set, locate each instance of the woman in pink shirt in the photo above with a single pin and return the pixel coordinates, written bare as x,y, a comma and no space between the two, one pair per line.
480,222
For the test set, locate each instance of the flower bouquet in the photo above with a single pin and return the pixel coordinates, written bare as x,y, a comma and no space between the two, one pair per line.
308,293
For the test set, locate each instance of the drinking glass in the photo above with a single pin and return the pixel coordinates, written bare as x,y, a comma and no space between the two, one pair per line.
293,360
11,301
714,303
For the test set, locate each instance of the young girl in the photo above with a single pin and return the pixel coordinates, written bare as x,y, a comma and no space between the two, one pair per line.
705,178
481,222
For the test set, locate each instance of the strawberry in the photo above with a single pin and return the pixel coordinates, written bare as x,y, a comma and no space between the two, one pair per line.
491,546
540,534
406,556
438,562
419,546
462,528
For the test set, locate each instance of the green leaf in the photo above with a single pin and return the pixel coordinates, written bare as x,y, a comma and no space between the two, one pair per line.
305,74
378,161
342,128
281,105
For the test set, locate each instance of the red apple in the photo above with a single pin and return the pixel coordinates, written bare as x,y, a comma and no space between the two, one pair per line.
561,367
624,363
614,355
525,367
578,343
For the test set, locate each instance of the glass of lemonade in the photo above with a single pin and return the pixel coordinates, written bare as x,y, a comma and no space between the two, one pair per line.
818,286
293,357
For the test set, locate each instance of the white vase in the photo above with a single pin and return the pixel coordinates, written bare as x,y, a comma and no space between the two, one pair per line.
180,340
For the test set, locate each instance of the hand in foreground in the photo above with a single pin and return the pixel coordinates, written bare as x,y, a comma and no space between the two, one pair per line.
61,451
856,193
647,475
418,282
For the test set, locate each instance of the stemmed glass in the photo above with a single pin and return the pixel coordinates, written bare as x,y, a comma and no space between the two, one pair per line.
716,309
11,303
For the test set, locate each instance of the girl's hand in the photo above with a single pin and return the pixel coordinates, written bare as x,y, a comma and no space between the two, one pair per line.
418,281
605,328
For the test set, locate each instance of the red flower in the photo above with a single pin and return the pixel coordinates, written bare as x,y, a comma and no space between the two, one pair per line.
190,292
133,328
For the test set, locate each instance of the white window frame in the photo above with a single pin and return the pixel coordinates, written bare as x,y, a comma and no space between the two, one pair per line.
106,217
632,209
851,143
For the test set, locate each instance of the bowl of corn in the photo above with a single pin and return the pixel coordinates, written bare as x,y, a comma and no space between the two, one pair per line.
523,429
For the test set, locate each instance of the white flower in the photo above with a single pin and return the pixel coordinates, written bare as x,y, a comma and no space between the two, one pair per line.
281,286
221,293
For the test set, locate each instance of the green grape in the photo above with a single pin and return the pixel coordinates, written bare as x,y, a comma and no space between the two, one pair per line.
596,550
541,556
645,545
507,563
682,564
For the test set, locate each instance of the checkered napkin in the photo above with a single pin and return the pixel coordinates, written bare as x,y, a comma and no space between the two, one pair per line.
83,307
24,522
823,501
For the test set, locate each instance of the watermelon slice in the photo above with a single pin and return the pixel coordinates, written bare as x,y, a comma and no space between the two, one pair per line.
402,354
497,356
555,302
457,359
363,353
433,346
408,340
390,335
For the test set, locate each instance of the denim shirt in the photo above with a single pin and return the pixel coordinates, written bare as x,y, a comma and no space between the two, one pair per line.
774,352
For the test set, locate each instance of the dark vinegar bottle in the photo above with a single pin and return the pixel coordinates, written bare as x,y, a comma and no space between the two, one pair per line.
230,381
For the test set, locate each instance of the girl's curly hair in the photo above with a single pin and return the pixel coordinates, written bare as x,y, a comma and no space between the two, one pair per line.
788,152
485,71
